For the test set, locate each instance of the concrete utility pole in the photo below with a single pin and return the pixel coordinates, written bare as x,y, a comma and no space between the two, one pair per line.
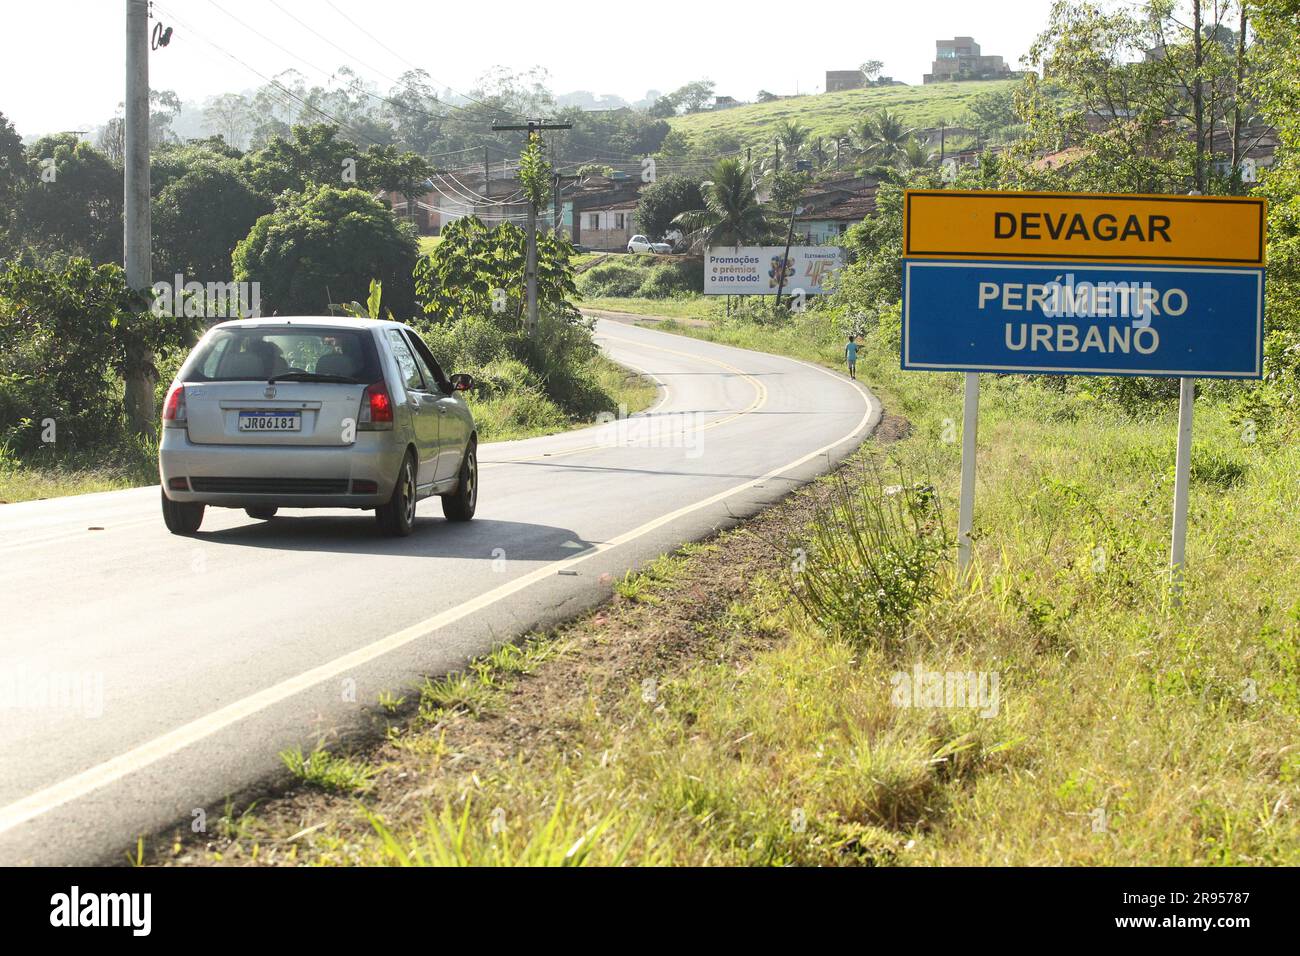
533,128
136,251
136,153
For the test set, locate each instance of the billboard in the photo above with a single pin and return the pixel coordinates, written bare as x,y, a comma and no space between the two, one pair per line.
756,270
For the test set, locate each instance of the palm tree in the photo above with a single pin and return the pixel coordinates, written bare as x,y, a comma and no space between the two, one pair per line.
791,136
915,155
881,136
732,214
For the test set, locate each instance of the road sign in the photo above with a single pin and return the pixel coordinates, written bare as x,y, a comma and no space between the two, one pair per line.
1083,284
1084,227
1083,319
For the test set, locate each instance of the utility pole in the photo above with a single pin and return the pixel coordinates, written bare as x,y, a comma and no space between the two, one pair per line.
487,175
136,252
785,260
533,128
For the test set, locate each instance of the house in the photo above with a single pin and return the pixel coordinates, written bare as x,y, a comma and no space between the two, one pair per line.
606,227
725,102
826,226
960,59
602,211
839,80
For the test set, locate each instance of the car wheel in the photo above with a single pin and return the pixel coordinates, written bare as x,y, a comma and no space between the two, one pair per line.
181,517
261,514
460,504
397,517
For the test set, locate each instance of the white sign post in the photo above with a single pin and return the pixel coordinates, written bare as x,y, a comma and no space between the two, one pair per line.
969,429
1182,476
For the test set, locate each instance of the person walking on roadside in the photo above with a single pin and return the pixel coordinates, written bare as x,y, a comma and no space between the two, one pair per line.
851,356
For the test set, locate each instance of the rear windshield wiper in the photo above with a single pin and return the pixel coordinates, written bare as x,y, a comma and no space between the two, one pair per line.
312,377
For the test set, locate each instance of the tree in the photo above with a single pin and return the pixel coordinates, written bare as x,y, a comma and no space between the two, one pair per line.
228,116
1141,92
662,201
64,334
164,107
477,272
390,169
791,136
871,69
881,136
731,215
993,114
313,155
73,201
212,192
324,246
692,97
13,176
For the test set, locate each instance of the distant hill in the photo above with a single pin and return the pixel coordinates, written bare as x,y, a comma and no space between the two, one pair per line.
828,113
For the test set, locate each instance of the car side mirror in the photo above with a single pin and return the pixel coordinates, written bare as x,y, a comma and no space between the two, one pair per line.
462,382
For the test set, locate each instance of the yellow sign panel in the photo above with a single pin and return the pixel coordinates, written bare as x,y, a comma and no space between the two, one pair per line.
1088,227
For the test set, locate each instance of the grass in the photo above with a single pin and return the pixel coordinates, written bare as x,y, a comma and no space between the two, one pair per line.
55,474
1127,731
428,244
826,114
328,771
685,307
525,414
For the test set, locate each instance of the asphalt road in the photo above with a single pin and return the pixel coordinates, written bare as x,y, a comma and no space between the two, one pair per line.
145,675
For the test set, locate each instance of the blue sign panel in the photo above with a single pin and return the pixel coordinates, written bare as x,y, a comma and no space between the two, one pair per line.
1083,319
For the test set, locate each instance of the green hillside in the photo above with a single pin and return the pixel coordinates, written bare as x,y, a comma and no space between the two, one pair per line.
826,114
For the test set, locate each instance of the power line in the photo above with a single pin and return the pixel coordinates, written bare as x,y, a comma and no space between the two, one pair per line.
271,82
399,56
373,69
330,75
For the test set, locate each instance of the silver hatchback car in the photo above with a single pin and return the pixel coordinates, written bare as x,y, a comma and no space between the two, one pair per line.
315,413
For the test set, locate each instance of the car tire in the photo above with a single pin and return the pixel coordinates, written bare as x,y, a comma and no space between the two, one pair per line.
460,504
182,517
261,513
397,516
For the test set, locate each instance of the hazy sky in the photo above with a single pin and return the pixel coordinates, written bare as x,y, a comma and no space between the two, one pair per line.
61,60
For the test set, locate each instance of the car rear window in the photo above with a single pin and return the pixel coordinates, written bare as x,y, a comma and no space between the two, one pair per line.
257,354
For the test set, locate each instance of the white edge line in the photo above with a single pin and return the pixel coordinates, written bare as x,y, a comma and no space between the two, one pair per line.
116,768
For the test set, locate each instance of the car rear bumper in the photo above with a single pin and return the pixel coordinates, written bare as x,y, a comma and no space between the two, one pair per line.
284,476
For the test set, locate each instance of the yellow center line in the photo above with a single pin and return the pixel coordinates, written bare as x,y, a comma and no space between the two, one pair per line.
760,399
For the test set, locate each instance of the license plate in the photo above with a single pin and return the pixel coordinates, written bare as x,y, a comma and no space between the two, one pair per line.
270,421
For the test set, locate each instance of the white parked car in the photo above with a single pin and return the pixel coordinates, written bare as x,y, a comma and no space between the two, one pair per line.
643,244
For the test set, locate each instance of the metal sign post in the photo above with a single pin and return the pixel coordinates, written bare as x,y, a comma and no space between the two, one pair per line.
969,428
1182,475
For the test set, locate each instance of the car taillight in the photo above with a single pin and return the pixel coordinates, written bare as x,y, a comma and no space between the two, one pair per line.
174,407
376,408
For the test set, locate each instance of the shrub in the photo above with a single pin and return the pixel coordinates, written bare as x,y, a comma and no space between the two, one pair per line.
669,279
873,557
615,278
